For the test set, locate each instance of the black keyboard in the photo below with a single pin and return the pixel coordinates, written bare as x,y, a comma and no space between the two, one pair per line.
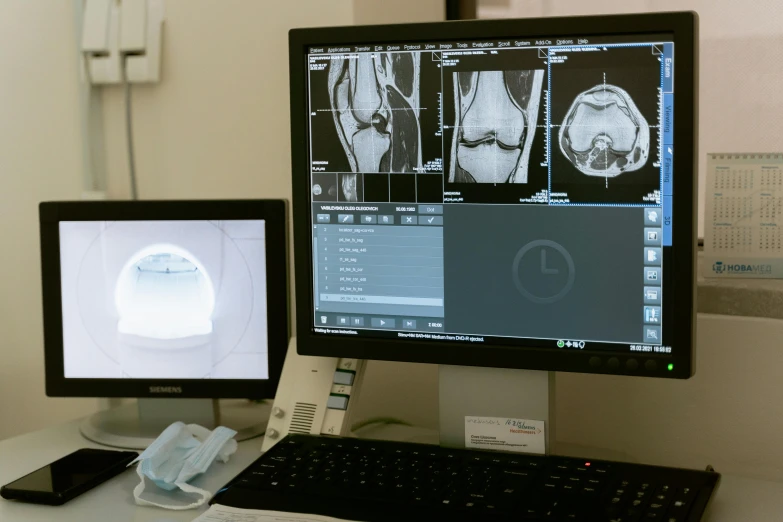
383,481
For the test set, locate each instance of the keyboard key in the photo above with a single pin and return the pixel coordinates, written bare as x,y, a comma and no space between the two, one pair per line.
569,489
641,493
634,512
517,474
248,483
473,506
678,510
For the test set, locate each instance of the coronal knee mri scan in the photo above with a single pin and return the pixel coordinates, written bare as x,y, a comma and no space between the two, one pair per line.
374,100
496,120
164,299
604,133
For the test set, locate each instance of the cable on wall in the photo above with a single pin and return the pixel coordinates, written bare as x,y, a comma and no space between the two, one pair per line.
129,134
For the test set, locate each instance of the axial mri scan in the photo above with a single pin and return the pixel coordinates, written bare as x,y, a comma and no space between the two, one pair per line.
604,133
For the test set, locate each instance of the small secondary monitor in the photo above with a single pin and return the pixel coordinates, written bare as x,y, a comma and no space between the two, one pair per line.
164,298
514,193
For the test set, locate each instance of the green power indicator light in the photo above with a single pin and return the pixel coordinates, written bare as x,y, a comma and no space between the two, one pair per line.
670,367
560,344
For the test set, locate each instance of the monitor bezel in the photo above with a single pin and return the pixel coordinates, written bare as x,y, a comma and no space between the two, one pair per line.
683,26
273,212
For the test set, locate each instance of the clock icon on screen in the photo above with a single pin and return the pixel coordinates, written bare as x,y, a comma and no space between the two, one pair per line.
543,271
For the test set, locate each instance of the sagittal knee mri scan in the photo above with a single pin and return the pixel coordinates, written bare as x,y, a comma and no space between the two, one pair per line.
604,134
350,188
496,120
164,299
375,105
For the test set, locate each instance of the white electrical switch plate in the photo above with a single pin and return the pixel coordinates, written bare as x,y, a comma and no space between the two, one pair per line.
105,68
133,26
145,68
95,26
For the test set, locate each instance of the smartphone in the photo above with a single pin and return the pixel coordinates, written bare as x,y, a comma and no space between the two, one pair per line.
69,477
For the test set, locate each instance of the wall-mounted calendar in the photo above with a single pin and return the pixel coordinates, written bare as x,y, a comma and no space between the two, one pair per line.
743,215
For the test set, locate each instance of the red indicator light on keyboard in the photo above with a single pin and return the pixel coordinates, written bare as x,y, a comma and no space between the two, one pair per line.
587,464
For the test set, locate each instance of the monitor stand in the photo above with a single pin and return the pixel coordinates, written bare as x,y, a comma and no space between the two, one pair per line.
493,392
135,426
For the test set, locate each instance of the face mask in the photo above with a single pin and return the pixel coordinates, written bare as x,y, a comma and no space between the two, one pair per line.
179,454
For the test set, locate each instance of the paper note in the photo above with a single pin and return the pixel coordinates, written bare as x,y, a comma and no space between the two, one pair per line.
743,215
218,513
505,434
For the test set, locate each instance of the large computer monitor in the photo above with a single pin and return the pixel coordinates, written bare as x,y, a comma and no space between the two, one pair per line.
166,299
512,194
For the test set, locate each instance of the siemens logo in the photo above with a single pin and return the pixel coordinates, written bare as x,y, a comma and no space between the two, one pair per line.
165,389
721,268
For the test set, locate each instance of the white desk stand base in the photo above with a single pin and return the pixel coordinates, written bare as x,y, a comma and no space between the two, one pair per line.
135,426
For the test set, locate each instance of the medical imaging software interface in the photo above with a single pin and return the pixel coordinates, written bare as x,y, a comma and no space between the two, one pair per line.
515,191
164,299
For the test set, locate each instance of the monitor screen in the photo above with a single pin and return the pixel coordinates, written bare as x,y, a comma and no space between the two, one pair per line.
162,299
513,192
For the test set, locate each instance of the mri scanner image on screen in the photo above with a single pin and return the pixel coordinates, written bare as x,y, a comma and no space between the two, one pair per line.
604,133
375,104
164,299
605,126
496,115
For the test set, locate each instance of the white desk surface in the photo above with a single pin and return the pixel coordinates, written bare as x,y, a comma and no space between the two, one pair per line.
738,499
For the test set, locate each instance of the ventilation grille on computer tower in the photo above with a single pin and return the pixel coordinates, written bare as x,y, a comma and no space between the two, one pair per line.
303,417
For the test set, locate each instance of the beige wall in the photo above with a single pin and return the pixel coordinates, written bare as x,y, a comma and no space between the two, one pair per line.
398,11
40,158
